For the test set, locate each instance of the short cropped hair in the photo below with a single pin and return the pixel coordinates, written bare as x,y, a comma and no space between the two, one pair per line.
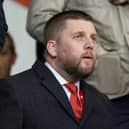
56,24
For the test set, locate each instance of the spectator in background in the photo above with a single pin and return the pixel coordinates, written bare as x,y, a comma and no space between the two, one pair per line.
111,18
3,26
7,56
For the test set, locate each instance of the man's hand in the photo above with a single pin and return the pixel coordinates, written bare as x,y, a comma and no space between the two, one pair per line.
119,2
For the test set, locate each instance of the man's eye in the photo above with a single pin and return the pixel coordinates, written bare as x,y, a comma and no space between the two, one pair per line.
3,53
94,39
77,37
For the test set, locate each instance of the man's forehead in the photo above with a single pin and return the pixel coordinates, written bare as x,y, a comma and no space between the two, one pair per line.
80,25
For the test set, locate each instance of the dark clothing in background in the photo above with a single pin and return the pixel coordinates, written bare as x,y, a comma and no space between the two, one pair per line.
3,26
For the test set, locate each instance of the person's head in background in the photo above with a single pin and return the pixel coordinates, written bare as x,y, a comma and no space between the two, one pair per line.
7,56
3,26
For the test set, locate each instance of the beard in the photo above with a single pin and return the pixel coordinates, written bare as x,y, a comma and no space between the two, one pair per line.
77,70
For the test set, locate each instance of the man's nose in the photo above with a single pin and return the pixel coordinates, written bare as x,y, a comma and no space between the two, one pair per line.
89,43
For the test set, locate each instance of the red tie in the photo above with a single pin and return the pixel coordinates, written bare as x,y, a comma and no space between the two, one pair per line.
76,104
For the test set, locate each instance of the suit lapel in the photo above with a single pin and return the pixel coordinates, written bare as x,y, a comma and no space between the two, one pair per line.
51,84
88,102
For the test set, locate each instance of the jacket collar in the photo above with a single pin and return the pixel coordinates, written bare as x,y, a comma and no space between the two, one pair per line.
48,80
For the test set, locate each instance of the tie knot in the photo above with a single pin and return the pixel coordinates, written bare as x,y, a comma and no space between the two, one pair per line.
71,87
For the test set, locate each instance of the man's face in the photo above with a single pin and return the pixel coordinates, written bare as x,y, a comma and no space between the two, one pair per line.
7,59
76,48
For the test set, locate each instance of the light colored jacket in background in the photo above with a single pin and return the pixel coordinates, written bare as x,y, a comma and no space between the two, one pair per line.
111,74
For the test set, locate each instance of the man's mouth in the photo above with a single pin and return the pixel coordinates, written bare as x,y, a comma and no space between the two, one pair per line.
88,57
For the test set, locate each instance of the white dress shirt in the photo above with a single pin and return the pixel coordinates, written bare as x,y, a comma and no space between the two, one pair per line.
62,81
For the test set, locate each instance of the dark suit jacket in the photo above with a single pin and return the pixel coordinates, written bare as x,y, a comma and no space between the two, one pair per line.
35,100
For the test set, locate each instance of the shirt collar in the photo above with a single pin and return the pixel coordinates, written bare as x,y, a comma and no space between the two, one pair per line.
60,79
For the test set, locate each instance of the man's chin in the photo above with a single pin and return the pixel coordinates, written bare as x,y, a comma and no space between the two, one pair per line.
89,70
87,73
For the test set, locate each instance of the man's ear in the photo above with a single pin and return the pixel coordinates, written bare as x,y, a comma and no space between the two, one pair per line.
14,57
52,48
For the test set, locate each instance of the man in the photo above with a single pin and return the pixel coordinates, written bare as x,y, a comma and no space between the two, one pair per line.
7,56
44,97
111,18
3,26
